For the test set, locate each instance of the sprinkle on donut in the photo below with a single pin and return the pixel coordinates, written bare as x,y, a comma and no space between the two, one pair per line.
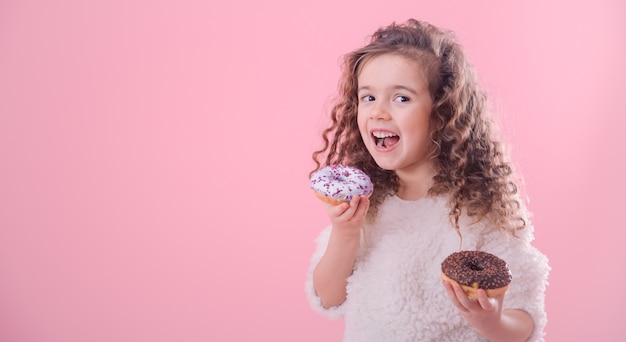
477,269
339,183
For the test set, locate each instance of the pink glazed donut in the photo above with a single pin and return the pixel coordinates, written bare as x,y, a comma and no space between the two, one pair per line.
335,184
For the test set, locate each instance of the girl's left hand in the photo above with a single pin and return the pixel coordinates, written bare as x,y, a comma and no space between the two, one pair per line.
483,313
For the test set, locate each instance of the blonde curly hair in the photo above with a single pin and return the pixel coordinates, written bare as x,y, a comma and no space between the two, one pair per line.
469,161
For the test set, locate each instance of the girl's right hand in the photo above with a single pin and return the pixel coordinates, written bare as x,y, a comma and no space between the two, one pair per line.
348,218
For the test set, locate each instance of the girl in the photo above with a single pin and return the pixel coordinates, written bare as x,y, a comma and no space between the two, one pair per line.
410,114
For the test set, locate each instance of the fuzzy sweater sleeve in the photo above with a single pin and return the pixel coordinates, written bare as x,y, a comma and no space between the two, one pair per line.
321,244
530,270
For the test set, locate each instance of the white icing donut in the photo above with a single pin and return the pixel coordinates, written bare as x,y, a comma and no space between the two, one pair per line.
340,183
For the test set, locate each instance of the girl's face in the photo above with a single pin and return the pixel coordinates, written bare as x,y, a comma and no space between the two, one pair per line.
394,114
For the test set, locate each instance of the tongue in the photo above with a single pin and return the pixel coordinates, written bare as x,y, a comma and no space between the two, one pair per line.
390,141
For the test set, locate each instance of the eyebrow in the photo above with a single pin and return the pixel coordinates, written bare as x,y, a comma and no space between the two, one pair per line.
395,87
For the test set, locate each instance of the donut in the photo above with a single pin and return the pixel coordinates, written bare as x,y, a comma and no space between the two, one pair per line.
475,270
335,184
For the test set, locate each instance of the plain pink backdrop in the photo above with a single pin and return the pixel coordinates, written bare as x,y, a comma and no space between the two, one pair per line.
154,158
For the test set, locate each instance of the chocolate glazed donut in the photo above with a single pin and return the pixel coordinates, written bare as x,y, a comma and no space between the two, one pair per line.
475,270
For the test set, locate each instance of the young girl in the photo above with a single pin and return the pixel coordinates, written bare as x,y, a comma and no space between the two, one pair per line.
410,114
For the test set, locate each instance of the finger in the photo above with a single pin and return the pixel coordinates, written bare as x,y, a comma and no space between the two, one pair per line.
336,210
450,291
485,302
365,201
362,208
453,296
352,208
462,297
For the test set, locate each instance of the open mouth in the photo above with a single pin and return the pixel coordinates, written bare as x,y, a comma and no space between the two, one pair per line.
385,139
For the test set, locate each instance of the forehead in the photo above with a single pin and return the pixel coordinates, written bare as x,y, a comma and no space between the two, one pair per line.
392,69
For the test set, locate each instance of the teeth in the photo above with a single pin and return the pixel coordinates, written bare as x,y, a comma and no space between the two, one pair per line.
380,142
381,135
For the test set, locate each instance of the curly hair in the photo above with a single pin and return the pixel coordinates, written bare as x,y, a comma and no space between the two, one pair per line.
469,161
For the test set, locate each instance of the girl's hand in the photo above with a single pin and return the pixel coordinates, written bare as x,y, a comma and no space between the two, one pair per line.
483,313
348,218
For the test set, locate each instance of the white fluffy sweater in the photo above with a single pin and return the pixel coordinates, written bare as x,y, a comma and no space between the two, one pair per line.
395,292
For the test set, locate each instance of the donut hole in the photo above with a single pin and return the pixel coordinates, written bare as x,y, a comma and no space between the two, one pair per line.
475,266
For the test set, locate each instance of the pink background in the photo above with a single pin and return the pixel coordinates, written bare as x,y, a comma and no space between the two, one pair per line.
154,158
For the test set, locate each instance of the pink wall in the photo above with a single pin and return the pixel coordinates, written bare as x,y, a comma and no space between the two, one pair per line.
154,159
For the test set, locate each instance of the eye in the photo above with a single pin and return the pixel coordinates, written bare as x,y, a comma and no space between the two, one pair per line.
367,98
401,98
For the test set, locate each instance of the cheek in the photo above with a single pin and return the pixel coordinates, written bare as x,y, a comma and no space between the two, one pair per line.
418,134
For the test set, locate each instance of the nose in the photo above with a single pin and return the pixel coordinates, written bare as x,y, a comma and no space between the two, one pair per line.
380,112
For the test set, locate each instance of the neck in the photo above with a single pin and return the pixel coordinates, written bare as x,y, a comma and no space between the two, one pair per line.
415,184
